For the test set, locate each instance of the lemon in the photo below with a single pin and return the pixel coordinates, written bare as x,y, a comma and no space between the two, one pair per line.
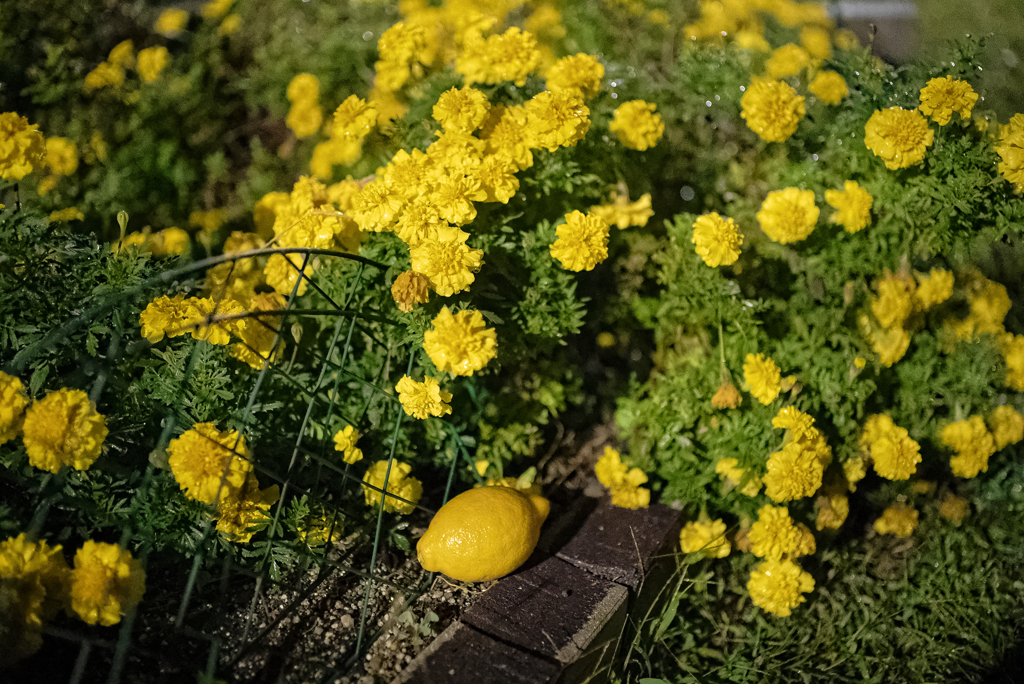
483,534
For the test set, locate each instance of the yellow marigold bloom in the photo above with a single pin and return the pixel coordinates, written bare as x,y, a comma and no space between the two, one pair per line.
304,86
895,454
171,22
258,336
419,221
497,179
241,511
943,96
751,39
446,259
63,429
729,469
410,288
398,484
890,344
305,118
788,215
832,511
973,444
763,377
106,583
12,407
776,537
1006,425
636,124
989,303
954,508
779,586
69,214
895,300
707,539
169,316
215,9
453,196
727,397
556,119
510,138
354,118
795,471
609,469
623,213
105,74
461,109
152,61
206,462
933,289
1010,148
98,146
854,470
510,56
236,279
898,519
229,25
376,207
345,442
22,147
853,204
899,136
631,495
772,109
846,39
422,399
123,55
788,60
331,153
817,41
203,318
860,362
459,343
717,239
580,72
61,156
582,242
321,528
34,584
829,87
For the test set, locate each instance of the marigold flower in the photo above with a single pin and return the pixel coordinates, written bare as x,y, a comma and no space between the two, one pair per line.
345,442
376,207
729,469
322,528
419,221
788,215
817,41
68,214
727,397
446,259
580,72
890,344
623,213
636,124
763,377
510,56
779,586
229,25
943,96
794,472
609,469
123,54
422,399
461,109
775,537
829,87
354,118
398,484
832,511
631,495
973,444
207,462
853,204
22,147
898,519
895,300
1010,148
1006,425
240,511
105,74
954,508
63,429
556,119
772,109
899,136
215,9
787,60
717,239
258,337
171,22
497,177
459,343
582,242
752,39
453,196
304,86
236,279
510,138
61,156
854,470
989,303
933,289
304,118
34,583
106,583
410,288
12,407
705,538
152,61
895,454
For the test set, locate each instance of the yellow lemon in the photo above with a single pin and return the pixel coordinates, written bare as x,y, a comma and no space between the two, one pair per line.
483,534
